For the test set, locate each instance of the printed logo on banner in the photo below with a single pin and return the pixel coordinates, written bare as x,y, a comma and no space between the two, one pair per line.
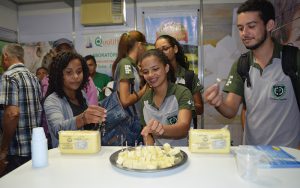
98,41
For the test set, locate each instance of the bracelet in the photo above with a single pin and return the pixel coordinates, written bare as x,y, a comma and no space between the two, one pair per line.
83,118
137,96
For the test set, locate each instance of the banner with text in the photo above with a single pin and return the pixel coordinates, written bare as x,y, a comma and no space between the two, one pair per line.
104,47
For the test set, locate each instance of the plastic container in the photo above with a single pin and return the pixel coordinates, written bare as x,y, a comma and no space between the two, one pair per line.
247,159
39,148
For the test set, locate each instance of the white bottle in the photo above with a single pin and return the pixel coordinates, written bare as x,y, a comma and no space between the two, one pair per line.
39,148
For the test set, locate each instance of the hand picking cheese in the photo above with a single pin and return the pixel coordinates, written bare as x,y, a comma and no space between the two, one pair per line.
148,157
79,142
209,140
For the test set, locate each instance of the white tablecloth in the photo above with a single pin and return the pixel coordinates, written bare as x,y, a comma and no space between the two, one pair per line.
201,170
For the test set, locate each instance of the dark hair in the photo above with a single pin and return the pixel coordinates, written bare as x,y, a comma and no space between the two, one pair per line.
126,44
264,7
163,59
41,68
181,59
61,61
90,57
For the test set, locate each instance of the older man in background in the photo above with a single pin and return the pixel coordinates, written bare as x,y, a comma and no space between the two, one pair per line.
20,96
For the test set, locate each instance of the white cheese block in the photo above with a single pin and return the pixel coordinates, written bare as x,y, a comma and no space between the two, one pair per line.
209,140
79,142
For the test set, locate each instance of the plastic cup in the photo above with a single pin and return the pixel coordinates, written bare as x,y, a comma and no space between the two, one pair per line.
39,148
247,160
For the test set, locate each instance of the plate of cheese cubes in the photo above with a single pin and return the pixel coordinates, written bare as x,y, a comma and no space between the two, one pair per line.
148,158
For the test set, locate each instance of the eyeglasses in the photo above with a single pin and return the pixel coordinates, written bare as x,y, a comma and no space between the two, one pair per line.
165,48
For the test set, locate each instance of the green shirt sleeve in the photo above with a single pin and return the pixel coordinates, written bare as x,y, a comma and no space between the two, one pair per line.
197,85
185,98
125,69
234,82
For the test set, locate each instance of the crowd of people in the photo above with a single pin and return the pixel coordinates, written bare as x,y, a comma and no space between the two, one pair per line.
66,95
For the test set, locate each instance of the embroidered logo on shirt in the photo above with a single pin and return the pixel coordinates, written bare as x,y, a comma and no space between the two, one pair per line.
278,91
229,81
127,69
180,81
190,102
172,120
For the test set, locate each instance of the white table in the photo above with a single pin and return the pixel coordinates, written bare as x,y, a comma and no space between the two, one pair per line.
201,170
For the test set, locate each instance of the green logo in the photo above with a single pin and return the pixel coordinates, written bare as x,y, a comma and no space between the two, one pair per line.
172,120
278,91
98,41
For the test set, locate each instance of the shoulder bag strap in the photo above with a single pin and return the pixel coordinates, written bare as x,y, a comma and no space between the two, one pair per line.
131,91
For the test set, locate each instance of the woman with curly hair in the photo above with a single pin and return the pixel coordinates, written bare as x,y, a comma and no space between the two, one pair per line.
174,51
66,106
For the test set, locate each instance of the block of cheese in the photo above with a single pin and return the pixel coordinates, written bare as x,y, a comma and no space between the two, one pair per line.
79,142
209,140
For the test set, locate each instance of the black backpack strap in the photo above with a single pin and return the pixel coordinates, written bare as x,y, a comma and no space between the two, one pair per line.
243,67
189,77
289,67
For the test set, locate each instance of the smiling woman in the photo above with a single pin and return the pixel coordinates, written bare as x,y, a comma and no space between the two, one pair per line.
66,107
167,107
175,53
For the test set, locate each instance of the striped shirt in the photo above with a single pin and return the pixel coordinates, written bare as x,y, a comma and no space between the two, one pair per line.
19,87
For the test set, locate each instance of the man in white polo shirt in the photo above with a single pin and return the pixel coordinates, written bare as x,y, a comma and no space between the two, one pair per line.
273,117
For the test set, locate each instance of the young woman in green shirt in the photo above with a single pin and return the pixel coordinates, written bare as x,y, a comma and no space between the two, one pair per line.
166,106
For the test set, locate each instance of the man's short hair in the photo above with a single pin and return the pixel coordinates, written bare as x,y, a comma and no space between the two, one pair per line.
264,7
14,50
41,68
90,57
